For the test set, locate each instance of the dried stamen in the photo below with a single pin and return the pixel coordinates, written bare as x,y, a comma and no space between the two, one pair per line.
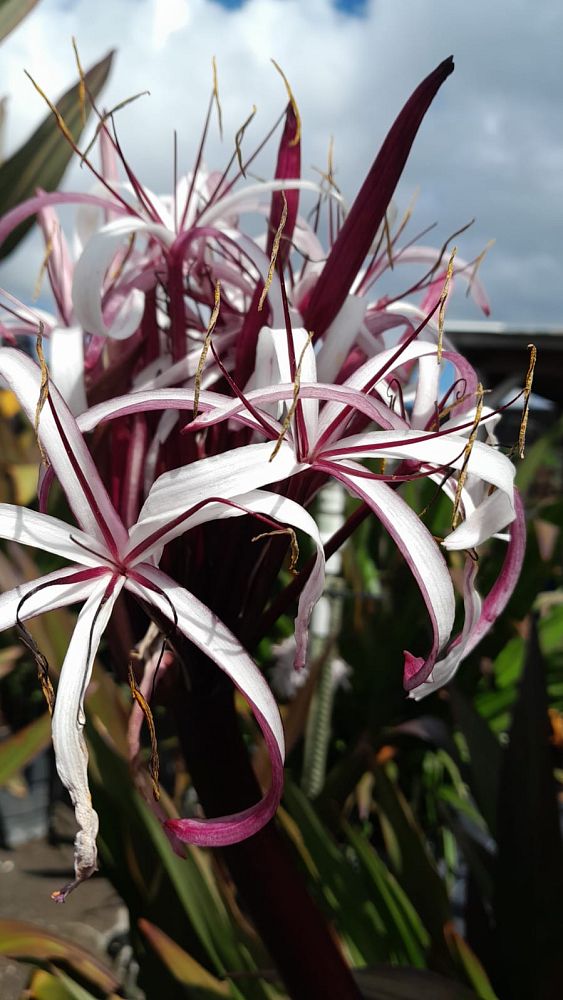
40,662
43,391
527,391
239,137
81,85
289,415
216,97
476,265
143,704
443,300
297,135
52,107
274,255
42,269
205,348
294,551
466,456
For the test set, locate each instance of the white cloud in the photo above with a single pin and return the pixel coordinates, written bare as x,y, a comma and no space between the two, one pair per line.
491,145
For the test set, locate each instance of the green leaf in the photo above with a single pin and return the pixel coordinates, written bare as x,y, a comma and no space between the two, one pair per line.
42,160
337,885
18,750
179,895
411,858
12,12
183,967
19,939
405,984
529,877
48,986
401,919
485,755
469,963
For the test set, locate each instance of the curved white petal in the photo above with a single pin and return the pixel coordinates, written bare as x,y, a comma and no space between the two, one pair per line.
90,272
272,505
339,337
205,630
65,447
379,366
251,196
490,516
423,557
71,754
273,364
47,593
29,527
66,366
445,669
237,471
443,449
426,396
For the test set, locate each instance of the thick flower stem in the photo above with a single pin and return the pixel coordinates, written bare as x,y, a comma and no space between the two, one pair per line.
294,931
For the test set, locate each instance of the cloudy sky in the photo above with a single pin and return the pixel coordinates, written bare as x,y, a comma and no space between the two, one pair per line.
491,147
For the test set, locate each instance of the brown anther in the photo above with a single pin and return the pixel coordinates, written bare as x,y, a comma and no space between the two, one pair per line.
206,345
216,96
289,415
274,255
294,547
527,390
41,664
297,135
443,300
143,704
466,456
239,137
43,390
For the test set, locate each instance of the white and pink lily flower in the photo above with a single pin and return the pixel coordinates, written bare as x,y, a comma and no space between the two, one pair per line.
310,426
105,558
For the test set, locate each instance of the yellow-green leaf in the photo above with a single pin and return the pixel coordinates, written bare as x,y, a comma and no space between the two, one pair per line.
19,939
18,750
183,967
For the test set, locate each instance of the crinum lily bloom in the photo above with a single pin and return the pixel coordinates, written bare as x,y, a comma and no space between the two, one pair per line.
312,437
105,559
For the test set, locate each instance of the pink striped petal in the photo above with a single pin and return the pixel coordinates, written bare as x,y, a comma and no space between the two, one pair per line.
71,754
68,454
204,629
423,558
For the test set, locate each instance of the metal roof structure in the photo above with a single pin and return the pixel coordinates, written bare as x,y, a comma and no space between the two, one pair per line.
499,352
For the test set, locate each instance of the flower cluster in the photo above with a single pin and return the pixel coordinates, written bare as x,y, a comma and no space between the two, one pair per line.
224,376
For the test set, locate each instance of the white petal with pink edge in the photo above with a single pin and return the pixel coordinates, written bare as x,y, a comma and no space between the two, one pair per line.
64,444
204,629
71,754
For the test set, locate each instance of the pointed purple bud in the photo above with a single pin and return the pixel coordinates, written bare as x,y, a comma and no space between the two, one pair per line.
367,213
288,167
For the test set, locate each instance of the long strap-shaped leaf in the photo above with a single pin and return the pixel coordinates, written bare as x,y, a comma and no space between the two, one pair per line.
367,213
43,159
12,12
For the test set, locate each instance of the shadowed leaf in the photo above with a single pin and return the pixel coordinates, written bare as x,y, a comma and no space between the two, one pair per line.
183,967
529,884
19,939
42,160
405,984
485,755
18,750
12,12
